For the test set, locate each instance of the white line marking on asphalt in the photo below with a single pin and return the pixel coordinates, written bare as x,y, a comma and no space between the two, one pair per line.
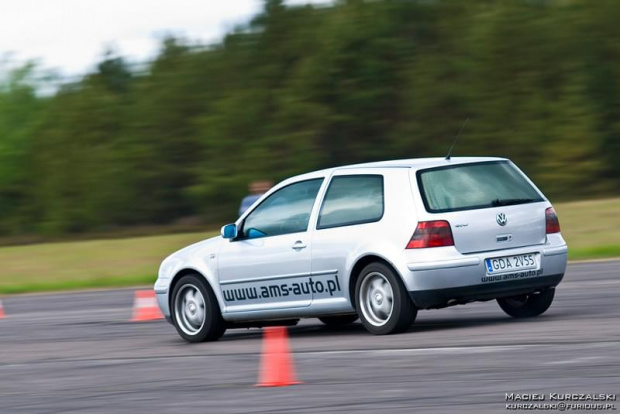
587,283
426,351
461,350
576,360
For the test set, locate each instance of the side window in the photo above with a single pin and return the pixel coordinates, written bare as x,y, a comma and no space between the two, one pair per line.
353,199
285,211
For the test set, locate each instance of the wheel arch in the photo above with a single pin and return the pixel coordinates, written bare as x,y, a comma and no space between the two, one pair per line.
184,272
360,264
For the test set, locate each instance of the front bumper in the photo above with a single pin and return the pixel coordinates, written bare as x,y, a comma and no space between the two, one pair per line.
162,301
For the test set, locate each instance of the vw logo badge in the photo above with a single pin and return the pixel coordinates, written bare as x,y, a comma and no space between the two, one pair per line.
501,219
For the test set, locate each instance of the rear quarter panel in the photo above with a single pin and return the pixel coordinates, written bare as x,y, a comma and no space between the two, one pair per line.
338,249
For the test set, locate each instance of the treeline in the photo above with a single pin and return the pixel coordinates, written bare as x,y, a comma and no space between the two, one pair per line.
301,88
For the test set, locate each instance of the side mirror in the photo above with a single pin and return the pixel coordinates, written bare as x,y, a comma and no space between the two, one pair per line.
229,231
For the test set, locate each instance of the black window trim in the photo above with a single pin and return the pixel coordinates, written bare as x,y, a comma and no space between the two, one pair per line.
447,167
353,223
240,236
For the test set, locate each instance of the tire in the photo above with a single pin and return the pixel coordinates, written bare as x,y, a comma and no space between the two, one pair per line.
527,306
375,286
339,320
194,310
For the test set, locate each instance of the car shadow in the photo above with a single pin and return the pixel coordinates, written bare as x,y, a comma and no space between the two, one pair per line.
318,329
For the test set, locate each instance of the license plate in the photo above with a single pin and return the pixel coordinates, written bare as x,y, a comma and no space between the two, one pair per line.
511,263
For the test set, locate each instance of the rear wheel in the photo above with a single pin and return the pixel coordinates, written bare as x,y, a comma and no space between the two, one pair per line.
195,312
527,306
383,303
338,320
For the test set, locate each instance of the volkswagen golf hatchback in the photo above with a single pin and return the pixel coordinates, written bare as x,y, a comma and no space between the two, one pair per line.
375,241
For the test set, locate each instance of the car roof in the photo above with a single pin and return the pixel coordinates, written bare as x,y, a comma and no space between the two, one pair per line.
418,163
415,163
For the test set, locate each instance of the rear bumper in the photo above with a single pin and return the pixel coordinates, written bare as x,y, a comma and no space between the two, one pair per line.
444,267
440,298
443,277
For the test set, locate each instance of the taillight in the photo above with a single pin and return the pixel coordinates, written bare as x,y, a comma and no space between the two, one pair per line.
431,234
551,221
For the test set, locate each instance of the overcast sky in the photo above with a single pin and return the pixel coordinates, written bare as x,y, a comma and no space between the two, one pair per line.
71,35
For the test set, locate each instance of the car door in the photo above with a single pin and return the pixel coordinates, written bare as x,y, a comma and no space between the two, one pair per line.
350,210
268,265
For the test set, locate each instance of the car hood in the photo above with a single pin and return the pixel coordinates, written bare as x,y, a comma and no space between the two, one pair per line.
202,247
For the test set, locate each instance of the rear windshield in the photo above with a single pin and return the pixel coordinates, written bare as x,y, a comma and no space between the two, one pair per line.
472,186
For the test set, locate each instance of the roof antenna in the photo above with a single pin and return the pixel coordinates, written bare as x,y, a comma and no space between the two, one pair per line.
456,139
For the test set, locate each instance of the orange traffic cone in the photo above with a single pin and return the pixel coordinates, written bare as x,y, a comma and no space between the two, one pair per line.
2,315
145,307
276,365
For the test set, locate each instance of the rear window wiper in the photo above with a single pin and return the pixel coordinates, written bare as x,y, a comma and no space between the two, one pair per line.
510,201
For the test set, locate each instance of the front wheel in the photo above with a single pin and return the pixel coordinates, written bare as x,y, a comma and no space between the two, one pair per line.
527,306
195,312
383,303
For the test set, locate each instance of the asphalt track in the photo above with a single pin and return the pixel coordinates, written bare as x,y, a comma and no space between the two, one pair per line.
77,353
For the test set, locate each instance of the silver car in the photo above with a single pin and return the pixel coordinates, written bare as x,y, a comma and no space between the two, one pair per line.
375,241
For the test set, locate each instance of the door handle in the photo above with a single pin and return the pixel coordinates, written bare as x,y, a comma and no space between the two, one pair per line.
298,245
